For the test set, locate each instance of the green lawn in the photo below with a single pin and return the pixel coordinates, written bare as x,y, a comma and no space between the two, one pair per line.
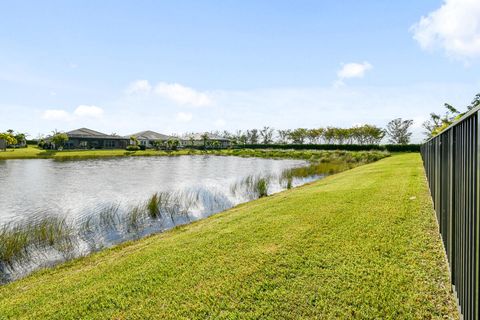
359,244
33,152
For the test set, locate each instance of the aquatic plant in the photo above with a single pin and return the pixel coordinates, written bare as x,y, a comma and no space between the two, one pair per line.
18,239
261,187
253,186
51,231
14,241
153,206
109,217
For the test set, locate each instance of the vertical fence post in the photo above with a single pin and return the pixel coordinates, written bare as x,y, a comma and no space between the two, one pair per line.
476,221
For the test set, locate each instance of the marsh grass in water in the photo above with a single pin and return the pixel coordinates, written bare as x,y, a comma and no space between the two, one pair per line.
252,187
19,240
261,187
135,219
153,206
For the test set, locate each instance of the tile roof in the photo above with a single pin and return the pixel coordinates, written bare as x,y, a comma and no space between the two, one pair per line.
150,135
88,133
199,136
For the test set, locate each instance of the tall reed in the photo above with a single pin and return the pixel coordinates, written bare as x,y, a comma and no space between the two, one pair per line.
18,240
261,187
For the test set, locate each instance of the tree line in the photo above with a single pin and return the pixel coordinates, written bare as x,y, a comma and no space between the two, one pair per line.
397,132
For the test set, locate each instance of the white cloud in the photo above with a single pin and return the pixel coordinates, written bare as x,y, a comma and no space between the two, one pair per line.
184,117
312,107
84,111
81,112
138,87
182,95
56,115
220,123
454,27
353,70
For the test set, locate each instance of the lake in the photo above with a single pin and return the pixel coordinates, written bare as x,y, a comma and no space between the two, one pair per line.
104,201
77,188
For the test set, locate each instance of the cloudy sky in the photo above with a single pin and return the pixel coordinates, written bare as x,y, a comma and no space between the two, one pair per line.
178,66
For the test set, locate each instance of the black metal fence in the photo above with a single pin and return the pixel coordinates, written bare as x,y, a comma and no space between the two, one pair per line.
451,161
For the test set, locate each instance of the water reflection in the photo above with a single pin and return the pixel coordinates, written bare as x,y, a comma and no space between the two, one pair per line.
102,202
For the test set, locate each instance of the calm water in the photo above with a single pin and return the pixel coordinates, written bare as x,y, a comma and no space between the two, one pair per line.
78,188
82,191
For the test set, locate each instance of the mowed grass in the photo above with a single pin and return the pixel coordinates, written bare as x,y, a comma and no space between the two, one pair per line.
360,244
33,152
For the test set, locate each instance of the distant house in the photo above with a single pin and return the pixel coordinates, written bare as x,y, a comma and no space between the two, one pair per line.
149,138
3,144
84,138
198,140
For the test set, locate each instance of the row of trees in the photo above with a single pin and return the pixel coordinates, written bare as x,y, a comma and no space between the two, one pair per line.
397,131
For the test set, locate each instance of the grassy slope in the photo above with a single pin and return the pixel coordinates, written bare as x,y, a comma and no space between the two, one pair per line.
352,245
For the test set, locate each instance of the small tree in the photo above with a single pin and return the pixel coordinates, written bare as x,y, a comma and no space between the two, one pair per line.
283,136
438,123
298,135
172,144
372,134
398,131
205,139
21,138
240,137
9,139
157,144
267,135
59,139
475,102
134,140
252,136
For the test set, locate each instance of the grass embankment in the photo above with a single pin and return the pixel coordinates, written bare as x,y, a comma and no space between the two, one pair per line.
35,153
359,244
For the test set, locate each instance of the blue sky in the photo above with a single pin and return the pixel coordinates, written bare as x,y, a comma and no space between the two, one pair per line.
178,66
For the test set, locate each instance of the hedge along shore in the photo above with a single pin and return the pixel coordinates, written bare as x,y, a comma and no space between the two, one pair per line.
359,244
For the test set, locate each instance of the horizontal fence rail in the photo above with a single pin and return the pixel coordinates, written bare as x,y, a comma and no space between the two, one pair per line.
452,168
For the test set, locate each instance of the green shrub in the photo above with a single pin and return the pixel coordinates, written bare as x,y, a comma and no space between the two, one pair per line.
133,148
